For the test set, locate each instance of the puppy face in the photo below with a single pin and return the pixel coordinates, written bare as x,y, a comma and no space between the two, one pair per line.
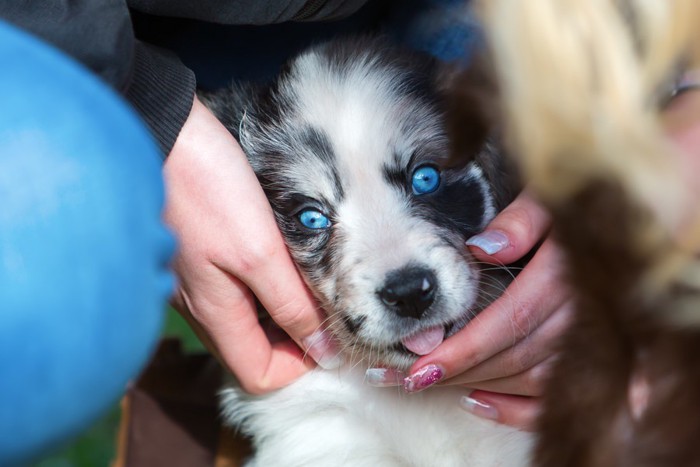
350,148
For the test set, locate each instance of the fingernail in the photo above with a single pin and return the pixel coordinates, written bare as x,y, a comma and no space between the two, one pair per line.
384,377
490,241
323,350
423,378
479,408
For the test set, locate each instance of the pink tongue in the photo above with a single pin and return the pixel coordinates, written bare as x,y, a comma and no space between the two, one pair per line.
425,341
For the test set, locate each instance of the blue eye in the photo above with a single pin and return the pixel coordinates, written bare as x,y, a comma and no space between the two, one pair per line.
426,179
313,219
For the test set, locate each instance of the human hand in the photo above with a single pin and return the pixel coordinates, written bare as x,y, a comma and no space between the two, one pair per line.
231,251
508,398
506,350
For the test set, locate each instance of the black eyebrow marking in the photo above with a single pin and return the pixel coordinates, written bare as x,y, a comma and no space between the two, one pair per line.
320,146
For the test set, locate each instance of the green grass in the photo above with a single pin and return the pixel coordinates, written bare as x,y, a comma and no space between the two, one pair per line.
97,446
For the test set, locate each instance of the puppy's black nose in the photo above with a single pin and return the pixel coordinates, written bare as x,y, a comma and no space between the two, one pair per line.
409,291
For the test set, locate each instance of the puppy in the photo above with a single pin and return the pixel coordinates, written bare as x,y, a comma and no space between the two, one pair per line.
350,146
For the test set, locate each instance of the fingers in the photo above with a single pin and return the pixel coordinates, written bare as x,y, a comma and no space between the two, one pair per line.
505,351
513,233
222,310
530,382
527,303
525,355
517,411
267,269
230,244
513,335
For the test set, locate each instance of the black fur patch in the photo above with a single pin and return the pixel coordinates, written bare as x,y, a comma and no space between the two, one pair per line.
319,144
396,176
353,324
458,204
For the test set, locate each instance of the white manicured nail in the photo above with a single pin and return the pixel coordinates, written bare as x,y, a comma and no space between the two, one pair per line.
491,241
384,377
322,349
479,408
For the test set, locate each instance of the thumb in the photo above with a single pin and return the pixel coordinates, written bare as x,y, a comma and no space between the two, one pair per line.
512,233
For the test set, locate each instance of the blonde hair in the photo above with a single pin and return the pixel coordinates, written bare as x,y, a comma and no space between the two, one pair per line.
580,82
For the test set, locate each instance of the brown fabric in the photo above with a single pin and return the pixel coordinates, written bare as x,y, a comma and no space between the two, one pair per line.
170,416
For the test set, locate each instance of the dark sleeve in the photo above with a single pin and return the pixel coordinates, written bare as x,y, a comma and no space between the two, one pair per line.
250,11
162,91
99,34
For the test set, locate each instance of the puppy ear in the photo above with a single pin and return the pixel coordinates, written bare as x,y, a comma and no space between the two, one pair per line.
473,122
231,103
471,108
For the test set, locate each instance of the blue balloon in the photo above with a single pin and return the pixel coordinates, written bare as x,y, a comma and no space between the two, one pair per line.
83,252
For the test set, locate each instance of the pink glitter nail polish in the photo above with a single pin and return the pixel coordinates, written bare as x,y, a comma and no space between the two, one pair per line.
423,378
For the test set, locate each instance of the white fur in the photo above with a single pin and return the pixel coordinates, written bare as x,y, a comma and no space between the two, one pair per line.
332,418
